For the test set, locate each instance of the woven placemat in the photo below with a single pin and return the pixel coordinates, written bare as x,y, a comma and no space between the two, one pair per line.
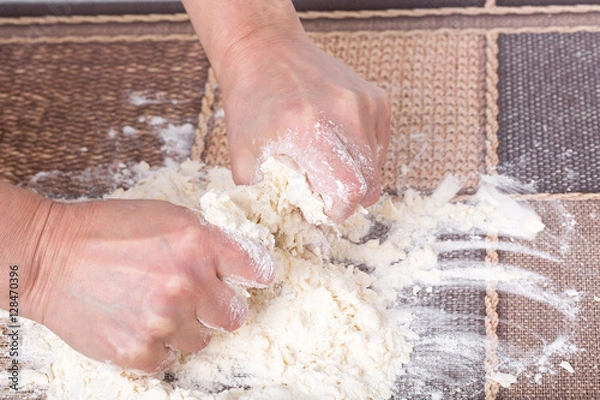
68,121
550,110
73,113
572,236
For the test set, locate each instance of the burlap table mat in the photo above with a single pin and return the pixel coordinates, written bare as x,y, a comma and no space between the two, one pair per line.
71,85
66,106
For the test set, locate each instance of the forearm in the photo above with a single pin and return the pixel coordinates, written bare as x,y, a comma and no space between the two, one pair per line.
23,215
227,27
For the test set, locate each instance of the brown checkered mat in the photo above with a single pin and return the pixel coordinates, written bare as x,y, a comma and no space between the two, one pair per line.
473,90
72,112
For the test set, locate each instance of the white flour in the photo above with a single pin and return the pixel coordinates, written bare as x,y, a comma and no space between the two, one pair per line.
325,328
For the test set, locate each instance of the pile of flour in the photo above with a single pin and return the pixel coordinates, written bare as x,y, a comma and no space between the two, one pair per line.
329,326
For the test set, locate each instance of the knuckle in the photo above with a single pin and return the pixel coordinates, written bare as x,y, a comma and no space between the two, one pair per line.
168,294
377,102
175,287
157,327
136,355
189,234
348,95
297,112
348,101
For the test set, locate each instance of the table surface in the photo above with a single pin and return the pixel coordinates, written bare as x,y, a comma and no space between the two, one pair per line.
510,87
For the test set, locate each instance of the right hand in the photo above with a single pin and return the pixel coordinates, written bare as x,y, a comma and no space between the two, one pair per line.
284,96
134,281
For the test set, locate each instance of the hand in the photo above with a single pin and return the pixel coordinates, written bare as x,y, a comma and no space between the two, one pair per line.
284,96
132,282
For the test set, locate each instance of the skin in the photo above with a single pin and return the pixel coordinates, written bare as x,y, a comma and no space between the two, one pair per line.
134,282
276,85
125,281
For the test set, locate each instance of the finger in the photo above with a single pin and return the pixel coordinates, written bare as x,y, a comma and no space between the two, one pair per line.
383,133
365,162
158,358
220,307
243,160
320,153
373,189
190,338
345,189
371,156
243,260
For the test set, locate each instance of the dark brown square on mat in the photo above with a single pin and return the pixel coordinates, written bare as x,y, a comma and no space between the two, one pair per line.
549,110
71,112
538,334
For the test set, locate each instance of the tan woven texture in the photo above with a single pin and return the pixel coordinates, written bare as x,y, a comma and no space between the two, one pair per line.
79,97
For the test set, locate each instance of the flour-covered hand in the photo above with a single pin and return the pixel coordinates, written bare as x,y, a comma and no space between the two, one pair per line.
285,96
134,281
293,99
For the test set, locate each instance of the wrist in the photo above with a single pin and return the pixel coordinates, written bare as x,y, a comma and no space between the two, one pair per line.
24,217
232,30
49,258
248,58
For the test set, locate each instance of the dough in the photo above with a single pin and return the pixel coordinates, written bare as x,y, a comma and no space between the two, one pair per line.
329,326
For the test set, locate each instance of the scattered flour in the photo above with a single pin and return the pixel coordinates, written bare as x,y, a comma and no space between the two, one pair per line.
505,380
145,98
156,120
328,327
129,131
178,140
567,367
